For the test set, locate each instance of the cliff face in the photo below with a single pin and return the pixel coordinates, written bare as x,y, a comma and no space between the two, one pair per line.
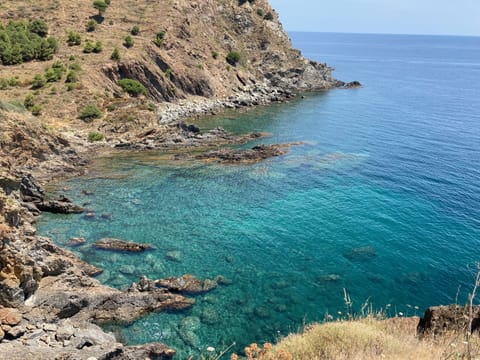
180,51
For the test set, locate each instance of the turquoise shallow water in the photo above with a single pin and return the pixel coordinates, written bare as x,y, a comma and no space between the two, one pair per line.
382,200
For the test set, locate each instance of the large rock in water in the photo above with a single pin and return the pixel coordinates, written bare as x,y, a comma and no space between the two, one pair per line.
120,245
187,284
439,319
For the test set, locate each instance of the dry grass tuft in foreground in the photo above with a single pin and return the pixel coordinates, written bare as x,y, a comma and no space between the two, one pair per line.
370,338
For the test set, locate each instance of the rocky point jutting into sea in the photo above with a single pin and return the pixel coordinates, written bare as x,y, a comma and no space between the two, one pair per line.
230,56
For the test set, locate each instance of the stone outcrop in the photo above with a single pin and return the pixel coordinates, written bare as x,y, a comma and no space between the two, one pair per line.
248,156
187,284
440,319
120,245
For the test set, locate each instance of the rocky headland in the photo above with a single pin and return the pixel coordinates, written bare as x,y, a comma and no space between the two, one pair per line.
187,59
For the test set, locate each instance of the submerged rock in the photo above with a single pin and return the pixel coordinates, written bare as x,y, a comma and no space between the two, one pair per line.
253,155
120,245
76,241
187,284
363,253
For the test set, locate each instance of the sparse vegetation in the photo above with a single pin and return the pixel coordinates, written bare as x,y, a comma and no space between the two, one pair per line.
268,16
135,30
29,101
95,136
72,77
90,113
91,47
91,25
74,38
132,87
38,81
36,110
8,83
128,42
115,55
233,57
159,37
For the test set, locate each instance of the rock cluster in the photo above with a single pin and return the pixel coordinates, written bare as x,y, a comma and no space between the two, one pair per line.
249,156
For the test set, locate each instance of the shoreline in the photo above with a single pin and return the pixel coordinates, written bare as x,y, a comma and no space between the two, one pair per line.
59,294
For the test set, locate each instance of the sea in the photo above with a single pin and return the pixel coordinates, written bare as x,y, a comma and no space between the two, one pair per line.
377,210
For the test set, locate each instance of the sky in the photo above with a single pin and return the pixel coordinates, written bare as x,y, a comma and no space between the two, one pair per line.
445,17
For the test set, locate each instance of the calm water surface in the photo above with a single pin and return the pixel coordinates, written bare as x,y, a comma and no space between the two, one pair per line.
382,200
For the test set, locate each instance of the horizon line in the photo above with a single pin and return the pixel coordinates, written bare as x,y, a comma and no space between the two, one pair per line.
373,33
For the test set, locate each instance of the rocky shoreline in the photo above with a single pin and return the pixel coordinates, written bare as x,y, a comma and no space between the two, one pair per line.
50,305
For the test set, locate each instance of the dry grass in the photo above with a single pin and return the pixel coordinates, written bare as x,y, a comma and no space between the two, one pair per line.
370,338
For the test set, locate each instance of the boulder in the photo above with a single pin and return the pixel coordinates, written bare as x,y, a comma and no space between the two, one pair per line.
440,319
187,284
120,245
10,316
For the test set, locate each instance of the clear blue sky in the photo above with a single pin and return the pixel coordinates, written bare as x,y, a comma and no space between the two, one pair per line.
452,17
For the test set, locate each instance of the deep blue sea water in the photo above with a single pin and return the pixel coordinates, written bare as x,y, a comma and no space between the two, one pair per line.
382,200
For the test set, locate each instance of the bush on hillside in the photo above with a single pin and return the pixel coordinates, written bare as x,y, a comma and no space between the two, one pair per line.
159,37
115,55
132,87
135,30
90,112
233,57
128,42
73,38
95,136
21,42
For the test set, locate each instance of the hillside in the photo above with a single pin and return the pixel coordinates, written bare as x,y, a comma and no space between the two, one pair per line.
179,52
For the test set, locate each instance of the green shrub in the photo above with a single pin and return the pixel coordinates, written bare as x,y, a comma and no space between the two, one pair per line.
260,12
8,83
88,48
111,107
132,87
38,81
152,107
168,73
97,48
95,136
38,27
36,109
91,25
55,72
135,30
75,66
73,38
115,55
71,86
268,16
72,77
101,6
159,37
21,42
90,112
128,41
233,57
28,102
215,54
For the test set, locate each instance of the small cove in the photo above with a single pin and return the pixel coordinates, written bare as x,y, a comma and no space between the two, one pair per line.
382,200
